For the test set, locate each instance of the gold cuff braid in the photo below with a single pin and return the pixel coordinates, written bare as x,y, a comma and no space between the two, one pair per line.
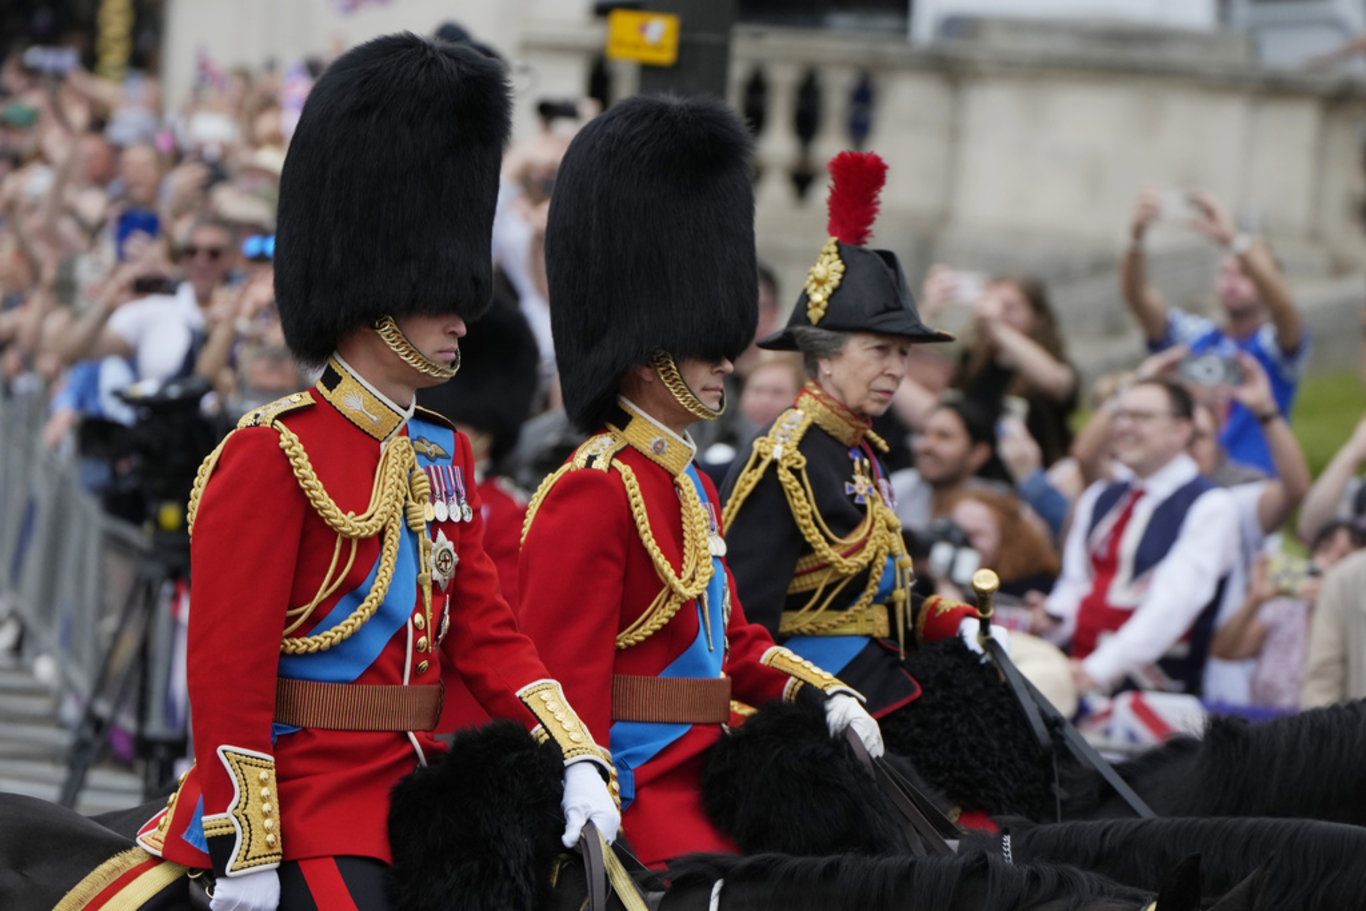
398,343
559,722
802,672
253,817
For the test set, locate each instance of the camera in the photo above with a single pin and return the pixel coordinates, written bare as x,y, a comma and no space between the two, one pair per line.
1211,370
153,462
949,554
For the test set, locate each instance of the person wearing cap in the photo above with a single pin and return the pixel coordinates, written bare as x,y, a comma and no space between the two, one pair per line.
339,572
815,543
624,583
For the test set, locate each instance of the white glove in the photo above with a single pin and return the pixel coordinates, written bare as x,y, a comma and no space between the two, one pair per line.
971,627
586,797
844,711
258,890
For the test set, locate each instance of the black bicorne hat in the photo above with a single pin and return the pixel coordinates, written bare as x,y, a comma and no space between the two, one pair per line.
853,288
497,381
388,190
650,245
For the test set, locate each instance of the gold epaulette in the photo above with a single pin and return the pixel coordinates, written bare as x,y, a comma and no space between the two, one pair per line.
266,414
778,445
598,451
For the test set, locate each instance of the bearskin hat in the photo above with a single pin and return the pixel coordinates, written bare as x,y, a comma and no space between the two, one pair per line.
852,288
388,190
497,381
650,245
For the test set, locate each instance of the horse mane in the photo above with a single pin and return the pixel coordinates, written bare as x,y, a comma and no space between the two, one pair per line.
1311,865
976,879
1304,765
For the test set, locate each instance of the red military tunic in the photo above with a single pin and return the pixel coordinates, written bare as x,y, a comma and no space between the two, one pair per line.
590,588
261,549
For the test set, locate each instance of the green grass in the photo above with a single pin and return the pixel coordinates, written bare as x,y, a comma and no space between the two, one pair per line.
1327,410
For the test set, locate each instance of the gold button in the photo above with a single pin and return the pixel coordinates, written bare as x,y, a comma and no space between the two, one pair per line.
576,738
422,667
296,397
420,621
270,839
264,776
265,793
543,696
266,809
422,643
267,824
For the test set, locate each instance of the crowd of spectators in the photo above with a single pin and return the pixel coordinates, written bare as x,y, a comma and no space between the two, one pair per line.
136,247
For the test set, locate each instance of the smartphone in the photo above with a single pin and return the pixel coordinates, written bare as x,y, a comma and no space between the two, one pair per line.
1015,407
969,287
144,220
1210,369
50,61
1176,206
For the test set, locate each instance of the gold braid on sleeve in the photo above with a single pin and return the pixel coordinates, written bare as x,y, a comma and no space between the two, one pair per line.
253,817
803,673
559,722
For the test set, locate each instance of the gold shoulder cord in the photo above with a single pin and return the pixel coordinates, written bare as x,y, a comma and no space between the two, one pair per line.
397,497
872,541
679,588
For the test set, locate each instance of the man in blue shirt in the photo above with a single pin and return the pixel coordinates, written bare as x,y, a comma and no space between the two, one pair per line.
1260,316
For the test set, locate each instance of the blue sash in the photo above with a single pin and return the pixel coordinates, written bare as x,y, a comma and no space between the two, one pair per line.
634,743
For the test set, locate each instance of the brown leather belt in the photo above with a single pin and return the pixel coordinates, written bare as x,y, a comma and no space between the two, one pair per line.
671,700
357,707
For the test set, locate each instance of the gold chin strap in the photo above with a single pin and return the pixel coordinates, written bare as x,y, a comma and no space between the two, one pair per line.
664,365
398,343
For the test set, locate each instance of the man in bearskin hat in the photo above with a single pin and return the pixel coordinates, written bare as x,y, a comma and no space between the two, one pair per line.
650,257
340,576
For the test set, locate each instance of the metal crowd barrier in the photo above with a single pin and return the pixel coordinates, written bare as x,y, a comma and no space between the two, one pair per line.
66,568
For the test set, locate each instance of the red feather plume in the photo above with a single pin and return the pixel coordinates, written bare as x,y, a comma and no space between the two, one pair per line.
856,180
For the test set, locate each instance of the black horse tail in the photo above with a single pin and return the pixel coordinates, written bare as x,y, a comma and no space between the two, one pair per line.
1306,864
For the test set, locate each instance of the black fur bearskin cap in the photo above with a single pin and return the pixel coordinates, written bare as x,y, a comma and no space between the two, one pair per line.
650,245
388,190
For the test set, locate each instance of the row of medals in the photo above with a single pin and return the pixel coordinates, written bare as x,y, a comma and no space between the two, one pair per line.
445,510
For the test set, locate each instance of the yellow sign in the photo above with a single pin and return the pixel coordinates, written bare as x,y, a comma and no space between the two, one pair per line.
649,38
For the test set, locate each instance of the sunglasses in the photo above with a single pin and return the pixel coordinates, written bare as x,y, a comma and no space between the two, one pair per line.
259,247
190,251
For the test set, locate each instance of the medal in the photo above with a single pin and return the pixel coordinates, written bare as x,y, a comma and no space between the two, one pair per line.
428,511
444,560
439,509
462,499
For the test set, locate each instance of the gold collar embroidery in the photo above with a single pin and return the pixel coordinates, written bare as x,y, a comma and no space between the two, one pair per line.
655,441
830,416
359,402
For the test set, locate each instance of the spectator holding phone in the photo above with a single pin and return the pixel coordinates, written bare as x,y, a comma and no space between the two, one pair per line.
1014,349
1260,316
1272,624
